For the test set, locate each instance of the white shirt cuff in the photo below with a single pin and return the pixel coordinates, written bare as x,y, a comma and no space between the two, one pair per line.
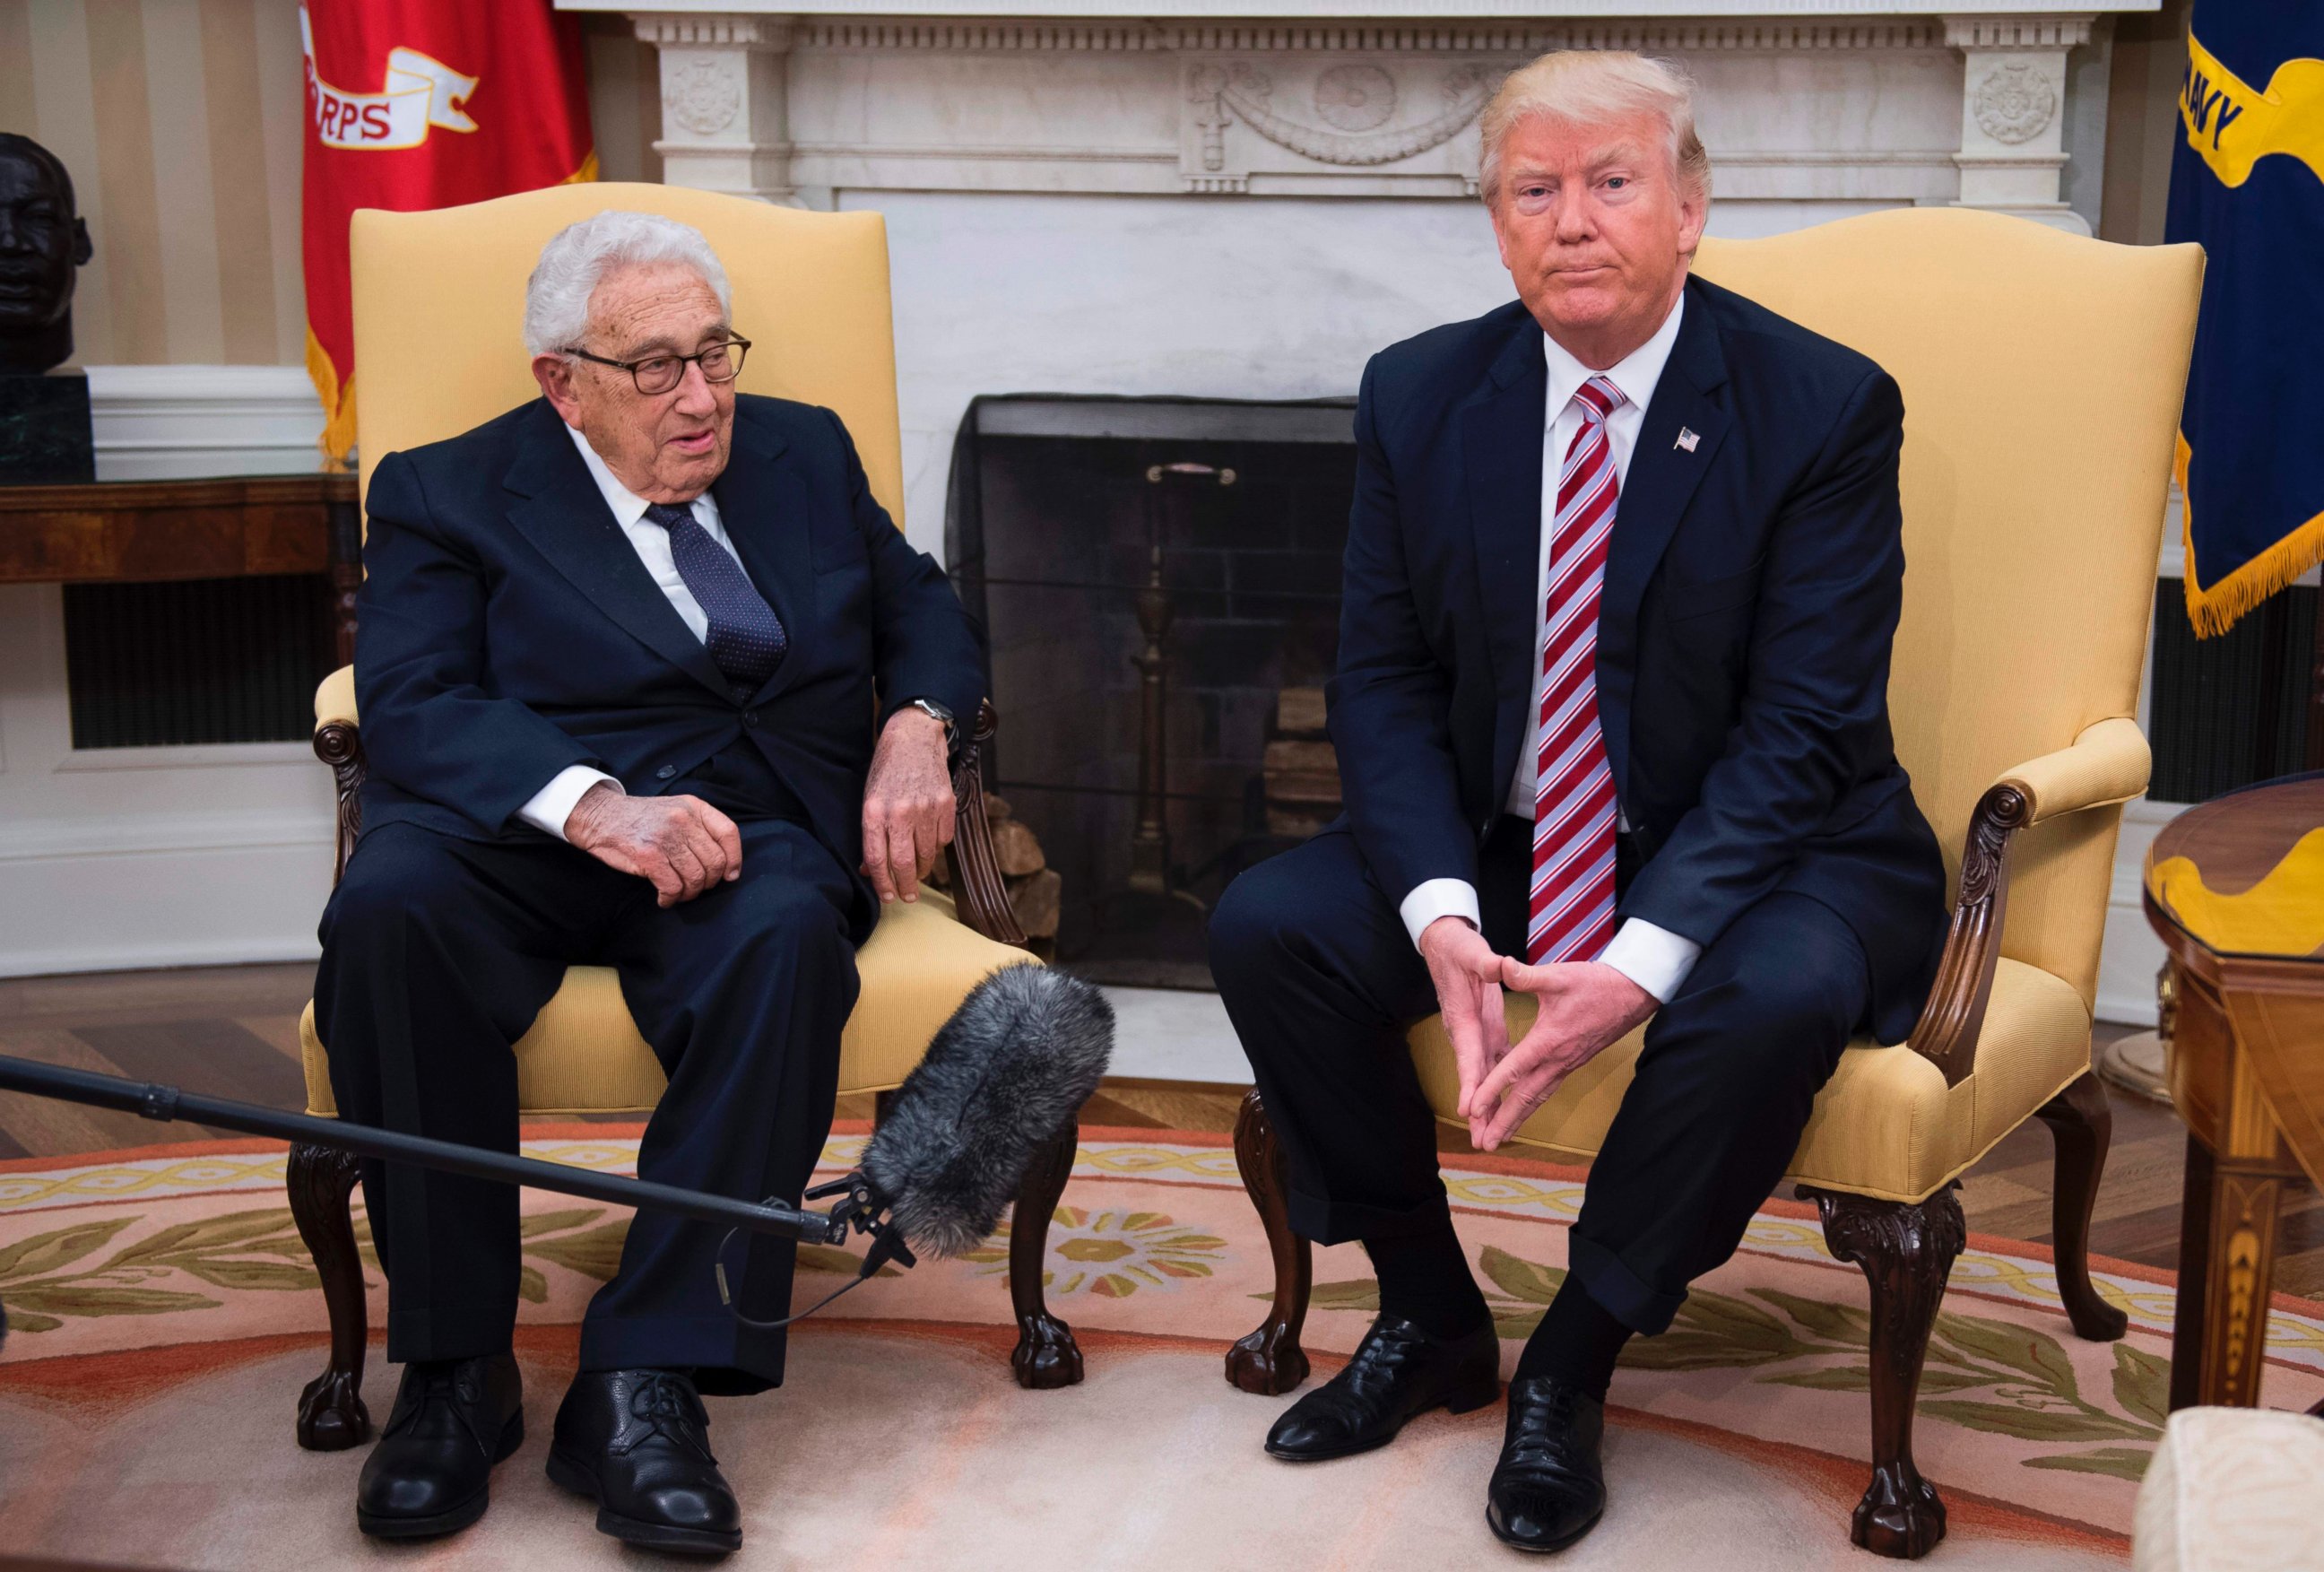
1655,958
1433,898
552,805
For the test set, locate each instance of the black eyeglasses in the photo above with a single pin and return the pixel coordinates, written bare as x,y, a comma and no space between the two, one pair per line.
658,374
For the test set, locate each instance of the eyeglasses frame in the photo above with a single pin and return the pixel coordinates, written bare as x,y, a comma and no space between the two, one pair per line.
735,341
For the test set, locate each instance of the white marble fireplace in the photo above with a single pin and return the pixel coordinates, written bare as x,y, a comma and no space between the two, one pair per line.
1170,197
1090,196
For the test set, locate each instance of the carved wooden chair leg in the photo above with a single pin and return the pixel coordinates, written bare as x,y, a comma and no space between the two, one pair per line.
2081,1125
1269,1361
1046,1356
321,1180
1906,1253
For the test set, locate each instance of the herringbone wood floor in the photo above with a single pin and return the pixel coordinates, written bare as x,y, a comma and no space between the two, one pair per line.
233,1032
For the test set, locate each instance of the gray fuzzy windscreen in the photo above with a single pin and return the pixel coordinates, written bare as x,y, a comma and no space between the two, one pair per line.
1015,1062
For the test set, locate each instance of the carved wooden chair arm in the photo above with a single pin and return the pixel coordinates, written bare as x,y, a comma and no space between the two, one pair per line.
979,893
338,743
2107,764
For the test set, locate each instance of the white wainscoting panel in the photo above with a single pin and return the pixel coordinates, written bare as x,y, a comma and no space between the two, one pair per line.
146,856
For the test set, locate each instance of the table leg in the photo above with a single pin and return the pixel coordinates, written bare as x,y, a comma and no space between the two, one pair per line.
2187,1319
2239,1275
345,539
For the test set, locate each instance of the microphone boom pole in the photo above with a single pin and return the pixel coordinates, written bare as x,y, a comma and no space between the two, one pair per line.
163,1103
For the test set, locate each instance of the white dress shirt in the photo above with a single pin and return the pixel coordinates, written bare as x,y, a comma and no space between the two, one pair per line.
552,805
1655,958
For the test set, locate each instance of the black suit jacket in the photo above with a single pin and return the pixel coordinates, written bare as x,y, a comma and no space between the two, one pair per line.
507,628
1751,594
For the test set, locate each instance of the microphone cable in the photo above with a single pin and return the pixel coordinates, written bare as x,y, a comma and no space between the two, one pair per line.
718,1269
860,1211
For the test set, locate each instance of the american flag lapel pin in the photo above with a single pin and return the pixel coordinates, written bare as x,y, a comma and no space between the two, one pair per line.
1687,440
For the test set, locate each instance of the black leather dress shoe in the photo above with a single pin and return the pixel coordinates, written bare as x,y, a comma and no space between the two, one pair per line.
1548,1489
638,1443
431,1472
1398,1372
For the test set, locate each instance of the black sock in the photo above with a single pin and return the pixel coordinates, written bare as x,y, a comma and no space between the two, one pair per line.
1577,1341
1424,1279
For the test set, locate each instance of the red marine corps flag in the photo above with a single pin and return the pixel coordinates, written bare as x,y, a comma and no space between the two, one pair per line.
416,104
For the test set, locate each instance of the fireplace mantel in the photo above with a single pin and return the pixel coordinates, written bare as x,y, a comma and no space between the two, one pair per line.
1162,197
1875,102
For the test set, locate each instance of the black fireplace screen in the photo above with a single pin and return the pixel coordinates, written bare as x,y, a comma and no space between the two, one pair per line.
1159,580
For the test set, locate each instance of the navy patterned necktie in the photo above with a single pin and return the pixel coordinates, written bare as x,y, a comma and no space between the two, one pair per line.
746,639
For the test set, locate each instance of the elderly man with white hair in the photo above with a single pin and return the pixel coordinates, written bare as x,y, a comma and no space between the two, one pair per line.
1612,714
648,681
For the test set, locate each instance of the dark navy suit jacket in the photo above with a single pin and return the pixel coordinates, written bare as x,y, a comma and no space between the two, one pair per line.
507,629
1751,594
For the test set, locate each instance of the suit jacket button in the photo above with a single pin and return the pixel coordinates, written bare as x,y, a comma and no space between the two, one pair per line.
750,717
666,773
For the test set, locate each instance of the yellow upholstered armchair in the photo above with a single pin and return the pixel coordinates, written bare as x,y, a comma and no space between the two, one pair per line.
439,300
2041,376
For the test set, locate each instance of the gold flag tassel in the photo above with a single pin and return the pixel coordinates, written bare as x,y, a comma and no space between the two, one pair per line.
339,398
2215,608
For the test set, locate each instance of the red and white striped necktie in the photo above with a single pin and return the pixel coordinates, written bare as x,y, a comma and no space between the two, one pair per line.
1571,916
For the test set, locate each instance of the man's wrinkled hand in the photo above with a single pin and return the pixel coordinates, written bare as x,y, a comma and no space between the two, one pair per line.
1586,1007
680,844
909,810
1467,973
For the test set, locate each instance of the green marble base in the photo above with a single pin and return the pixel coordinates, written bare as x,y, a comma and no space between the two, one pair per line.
45,435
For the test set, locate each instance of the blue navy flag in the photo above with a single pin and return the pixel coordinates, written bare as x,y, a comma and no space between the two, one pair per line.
2247,182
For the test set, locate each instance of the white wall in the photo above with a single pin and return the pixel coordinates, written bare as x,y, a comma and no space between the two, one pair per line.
157,856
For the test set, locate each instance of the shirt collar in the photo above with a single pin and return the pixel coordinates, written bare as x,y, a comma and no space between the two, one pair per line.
1635,373
628,507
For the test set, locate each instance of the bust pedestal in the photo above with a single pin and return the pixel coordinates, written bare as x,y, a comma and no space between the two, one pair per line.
45,435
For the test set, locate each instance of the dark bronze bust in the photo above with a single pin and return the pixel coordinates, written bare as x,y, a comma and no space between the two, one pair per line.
42,241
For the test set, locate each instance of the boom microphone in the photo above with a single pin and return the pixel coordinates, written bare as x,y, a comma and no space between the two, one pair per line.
1004,1075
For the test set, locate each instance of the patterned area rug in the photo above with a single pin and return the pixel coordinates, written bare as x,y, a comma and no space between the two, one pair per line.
165,1317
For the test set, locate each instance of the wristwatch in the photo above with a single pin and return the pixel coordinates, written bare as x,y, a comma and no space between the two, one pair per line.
929,707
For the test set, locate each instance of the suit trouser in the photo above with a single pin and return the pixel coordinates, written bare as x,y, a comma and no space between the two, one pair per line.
1321,980
437,953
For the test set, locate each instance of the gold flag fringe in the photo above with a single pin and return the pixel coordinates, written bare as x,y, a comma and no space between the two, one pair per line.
339,438
339,398
2217,607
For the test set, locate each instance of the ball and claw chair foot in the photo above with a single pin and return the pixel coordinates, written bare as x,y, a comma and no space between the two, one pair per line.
321,1182
1269,1360
1046,1357
1907,1250
1901,1515
331,1413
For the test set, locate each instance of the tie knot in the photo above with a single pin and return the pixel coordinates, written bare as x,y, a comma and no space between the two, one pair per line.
670,515
1598,399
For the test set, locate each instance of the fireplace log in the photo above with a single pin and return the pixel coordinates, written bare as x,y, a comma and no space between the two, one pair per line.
1300,769
1017,850
1299,712
1035,900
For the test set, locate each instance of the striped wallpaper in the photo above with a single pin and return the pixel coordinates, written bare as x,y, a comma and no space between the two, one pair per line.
179,120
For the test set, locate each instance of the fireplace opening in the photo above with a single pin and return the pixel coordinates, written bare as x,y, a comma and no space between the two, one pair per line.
1159,582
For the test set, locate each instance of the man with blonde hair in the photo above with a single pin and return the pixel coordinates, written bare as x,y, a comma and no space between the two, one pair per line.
1621,581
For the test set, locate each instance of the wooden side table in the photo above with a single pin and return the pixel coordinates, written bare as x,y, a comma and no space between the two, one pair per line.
2236,889
144,530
